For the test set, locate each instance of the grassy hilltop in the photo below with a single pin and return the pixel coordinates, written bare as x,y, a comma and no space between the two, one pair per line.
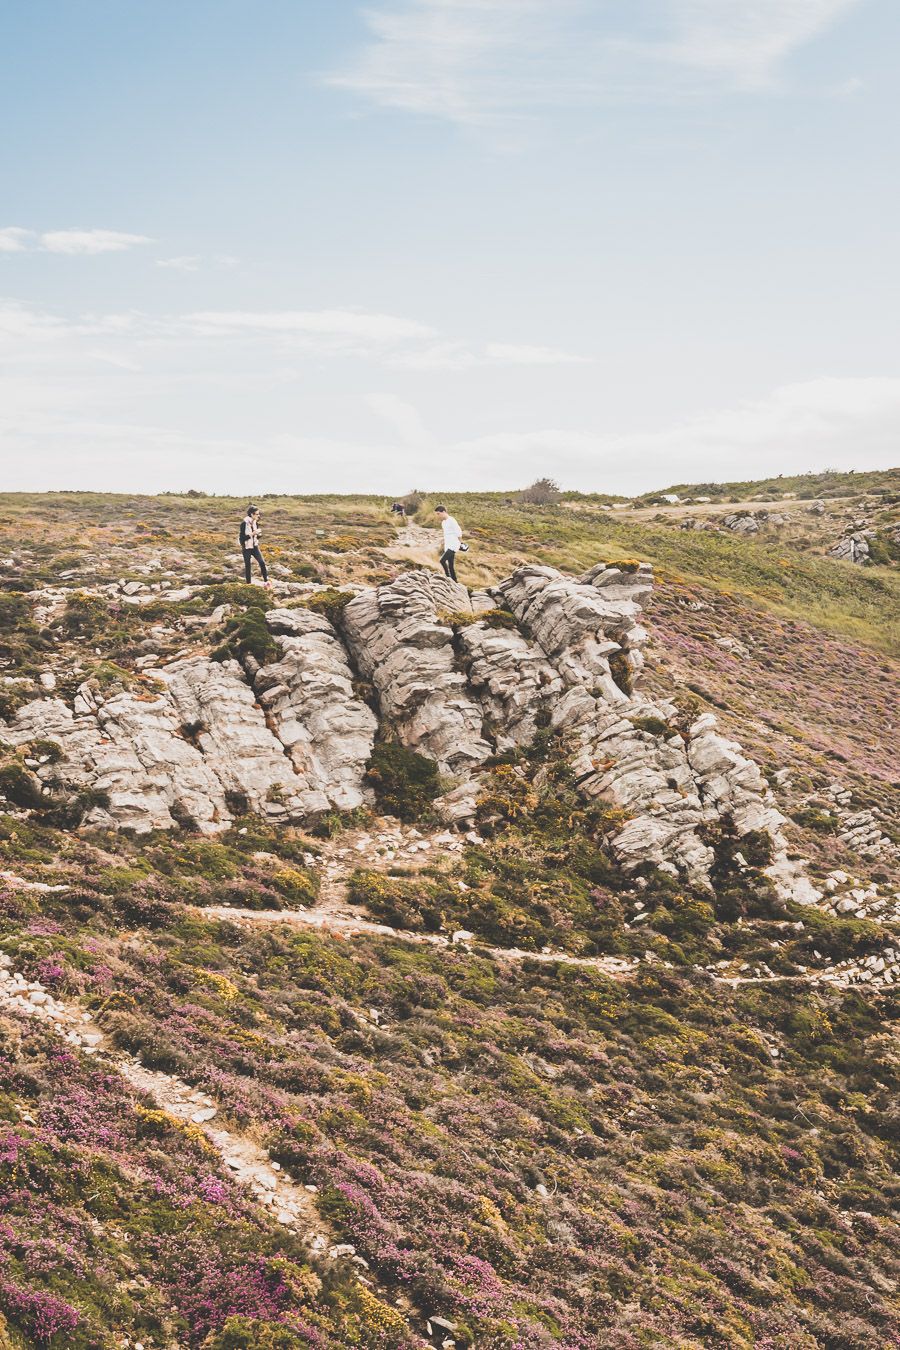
531,1153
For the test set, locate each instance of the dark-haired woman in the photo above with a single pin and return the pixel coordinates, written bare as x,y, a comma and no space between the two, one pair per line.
249,537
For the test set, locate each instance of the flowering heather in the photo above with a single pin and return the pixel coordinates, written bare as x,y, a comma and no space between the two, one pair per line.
545,1157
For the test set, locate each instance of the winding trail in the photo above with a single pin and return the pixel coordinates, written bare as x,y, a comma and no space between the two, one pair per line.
292,1205
397,847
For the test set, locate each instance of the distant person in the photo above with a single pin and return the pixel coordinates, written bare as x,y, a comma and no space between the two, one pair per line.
453,543
249,537
399,509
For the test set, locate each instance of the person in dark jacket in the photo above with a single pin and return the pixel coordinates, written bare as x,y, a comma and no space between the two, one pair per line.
249,537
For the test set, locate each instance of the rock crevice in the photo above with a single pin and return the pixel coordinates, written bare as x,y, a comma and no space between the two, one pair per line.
454,681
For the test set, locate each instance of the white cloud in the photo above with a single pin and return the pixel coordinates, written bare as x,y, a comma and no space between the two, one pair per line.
834,422
404,419
172,393
745,41
847,88
495,62
183,264
517,354
196,262
390,339
457,356
90,241
13,239
331,324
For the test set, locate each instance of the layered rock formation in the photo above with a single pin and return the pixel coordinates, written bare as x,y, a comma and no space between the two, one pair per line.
217,710
129,752
514,683
403,645
308,696
454,680
853,547
669,781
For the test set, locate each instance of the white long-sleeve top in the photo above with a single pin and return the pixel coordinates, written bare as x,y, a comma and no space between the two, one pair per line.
251,532
452,533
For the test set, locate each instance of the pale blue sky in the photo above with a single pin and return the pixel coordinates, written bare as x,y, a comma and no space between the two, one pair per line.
291,245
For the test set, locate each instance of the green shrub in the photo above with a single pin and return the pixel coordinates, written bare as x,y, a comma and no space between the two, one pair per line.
405,783
11,700
812,818
331,603
884,550
394,900
542,492
837,938
248,636
236,593
296,886
653,726
247,1333
20,787
85,615
48,750
492,618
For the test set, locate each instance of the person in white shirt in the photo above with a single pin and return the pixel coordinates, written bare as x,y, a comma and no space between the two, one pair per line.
452,540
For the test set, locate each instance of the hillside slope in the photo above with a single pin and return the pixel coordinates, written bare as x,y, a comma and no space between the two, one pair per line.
387,964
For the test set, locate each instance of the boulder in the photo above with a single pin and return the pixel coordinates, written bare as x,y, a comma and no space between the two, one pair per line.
230,729
308,696
400,642
741,524
853,547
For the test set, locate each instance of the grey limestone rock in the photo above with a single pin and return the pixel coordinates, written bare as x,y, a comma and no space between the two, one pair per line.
515,684
129,749
309,698
400,643
741,524
232,733
853,547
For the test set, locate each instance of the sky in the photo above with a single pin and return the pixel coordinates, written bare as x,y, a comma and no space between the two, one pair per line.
253,246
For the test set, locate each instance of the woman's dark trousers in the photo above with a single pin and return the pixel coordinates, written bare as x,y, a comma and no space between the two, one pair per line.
254,553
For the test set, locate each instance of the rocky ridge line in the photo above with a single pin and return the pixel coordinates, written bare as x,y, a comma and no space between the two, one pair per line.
291,739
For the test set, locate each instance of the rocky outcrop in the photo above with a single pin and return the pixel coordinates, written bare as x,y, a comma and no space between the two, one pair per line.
669,782
456,677
515,684
580,624
308,696
127,750
853,547
218,711
741,524
401,643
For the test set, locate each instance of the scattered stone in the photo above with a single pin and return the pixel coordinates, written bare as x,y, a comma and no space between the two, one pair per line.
853,547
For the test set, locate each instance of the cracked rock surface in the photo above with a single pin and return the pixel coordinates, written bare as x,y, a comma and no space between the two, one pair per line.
401,643
308,695
454,681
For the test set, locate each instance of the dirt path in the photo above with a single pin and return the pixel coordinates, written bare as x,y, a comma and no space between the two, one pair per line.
679,510
390,846
416,544
339,924
292,1205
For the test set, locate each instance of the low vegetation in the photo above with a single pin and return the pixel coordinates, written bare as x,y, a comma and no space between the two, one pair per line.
538,1153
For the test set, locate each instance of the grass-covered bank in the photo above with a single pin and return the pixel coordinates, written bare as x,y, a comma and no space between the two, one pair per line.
332,537
541,1154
